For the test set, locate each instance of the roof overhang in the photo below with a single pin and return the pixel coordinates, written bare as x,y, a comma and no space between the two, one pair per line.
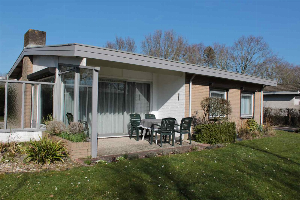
87,51
282,93
50,71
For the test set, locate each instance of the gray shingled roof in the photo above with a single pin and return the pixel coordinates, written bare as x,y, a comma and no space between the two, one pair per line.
282,88
94,52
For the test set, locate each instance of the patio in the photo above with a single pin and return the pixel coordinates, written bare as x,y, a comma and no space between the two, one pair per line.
124,145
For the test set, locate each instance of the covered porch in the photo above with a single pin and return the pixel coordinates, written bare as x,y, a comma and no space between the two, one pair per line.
103,94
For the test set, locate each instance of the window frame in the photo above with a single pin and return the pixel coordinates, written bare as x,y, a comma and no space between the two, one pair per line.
218,92
252,107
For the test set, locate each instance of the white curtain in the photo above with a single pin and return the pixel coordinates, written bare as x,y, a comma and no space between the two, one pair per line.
68,102
246,105
110,108
116,101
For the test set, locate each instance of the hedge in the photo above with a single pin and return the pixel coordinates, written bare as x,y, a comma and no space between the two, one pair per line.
216,133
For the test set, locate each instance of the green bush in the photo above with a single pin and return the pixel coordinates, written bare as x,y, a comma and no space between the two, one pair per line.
252,125
45,151
78,137
216,133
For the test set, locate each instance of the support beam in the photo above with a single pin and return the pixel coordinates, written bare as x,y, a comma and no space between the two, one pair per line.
5,106
94,138
38,106
262,107
76,94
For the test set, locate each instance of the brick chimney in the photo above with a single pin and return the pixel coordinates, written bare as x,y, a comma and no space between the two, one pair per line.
33,38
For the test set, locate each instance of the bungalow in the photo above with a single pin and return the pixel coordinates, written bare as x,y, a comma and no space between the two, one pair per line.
282,97
103,86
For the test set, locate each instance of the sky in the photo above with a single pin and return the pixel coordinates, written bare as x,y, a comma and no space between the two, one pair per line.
96,22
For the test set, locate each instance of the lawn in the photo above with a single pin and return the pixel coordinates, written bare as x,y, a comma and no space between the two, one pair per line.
1,118
267,168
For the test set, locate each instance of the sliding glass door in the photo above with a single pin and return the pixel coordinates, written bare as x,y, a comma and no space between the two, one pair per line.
116,100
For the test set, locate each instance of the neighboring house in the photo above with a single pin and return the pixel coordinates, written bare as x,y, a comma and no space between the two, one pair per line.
103,86
282,96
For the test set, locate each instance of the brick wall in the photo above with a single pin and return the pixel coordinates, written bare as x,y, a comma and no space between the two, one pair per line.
257,106
26,70
202,85
75,149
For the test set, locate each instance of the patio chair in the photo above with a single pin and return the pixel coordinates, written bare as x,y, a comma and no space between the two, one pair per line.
135,122
70,117
185,128
150,116
165,129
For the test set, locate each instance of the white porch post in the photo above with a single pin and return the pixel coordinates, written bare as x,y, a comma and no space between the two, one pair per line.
57,96
5,106
262,107
94,138
76,94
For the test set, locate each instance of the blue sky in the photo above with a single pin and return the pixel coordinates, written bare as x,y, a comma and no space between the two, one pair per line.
95,22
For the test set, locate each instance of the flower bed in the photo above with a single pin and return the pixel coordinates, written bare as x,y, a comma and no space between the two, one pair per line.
75,149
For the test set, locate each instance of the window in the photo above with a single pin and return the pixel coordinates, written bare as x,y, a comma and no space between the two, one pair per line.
218,93
247,105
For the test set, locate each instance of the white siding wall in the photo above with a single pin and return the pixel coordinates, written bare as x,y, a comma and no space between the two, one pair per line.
42,62
169,90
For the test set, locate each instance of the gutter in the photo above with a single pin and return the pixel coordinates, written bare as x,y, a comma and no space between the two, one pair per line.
190,98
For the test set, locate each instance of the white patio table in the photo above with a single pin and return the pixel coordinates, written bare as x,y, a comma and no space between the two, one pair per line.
148,123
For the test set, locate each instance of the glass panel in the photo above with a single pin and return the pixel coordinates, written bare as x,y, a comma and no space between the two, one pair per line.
137,100
50,79
14,105
85,98
46,102
246,105
68,79
218,94
2,104
111,108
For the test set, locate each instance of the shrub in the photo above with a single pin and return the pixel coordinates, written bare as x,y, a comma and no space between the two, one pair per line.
216,133
250,129
55,127
76,127
252,125
79,137
215,108
45,151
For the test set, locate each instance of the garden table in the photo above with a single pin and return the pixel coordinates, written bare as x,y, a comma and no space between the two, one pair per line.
148,123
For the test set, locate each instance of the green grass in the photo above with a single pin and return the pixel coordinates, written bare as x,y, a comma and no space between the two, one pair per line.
1,118
267,168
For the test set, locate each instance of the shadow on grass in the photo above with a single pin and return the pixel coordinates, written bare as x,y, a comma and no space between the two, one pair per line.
268,152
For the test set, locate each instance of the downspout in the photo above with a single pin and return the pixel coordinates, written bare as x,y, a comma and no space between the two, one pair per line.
190,98
262,106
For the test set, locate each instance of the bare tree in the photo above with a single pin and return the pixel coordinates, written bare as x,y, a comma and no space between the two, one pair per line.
248,53
165,45
2,76
194,54
127,44
223,55
209,57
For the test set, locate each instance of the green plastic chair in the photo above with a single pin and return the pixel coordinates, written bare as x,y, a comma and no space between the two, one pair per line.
135,122
165,129
185,128
150,116
70,117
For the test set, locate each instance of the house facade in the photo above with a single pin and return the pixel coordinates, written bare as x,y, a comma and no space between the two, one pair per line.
103,86
282,97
